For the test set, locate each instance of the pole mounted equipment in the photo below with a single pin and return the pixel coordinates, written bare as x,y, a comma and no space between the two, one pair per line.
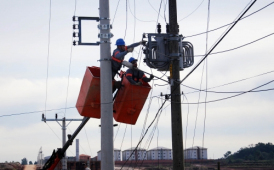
158,55
77,34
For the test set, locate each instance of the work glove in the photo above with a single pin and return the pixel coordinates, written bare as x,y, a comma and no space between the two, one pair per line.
151,77
143,42
139,83
129,49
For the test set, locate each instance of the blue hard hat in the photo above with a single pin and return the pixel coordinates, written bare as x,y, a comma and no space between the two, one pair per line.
120,41
131,59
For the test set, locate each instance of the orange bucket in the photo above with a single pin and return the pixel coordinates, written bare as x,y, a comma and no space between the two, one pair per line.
129,101
88,102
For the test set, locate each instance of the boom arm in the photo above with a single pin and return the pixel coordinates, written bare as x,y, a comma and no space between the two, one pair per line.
59,154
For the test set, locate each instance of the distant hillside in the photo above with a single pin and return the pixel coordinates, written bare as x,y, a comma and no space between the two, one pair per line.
260,151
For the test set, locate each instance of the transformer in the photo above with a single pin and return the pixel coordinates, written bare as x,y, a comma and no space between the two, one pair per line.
157,54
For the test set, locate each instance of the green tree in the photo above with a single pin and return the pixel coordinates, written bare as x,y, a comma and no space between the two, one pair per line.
30,162
35,163
24,161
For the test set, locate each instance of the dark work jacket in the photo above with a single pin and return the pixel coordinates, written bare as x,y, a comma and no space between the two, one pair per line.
118,57
134,75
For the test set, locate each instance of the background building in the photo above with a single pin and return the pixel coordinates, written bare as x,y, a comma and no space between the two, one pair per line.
159,153
195,152
117,155
140,154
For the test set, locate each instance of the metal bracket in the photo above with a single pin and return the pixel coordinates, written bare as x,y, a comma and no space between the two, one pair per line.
79,33
105,35
104,26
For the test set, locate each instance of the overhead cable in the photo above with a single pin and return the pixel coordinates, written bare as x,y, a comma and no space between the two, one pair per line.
215,45
48,58
231,22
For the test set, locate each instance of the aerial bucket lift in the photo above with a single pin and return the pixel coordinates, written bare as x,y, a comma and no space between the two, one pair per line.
129,101
88,102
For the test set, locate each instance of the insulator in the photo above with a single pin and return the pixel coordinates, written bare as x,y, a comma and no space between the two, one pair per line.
75,26
74,18
178,29
74,42
144,35
74,34
56,116
159,28
167,28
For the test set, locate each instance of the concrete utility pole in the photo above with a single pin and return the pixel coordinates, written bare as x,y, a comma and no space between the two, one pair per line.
176,118
64,127
106,89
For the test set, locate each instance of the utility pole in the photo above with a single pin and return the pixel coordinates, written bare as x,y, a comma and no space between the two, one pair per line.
106,88
64,127
176,118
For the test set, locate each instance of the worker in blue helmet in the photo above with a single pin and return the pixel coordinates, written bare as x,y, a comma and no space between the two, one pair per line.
118,56
134,75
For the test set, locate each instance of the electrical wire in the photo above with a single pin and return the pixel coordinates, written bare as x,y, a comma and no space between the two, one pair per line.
231,22
75,2
115,12
145,132
192,11
126,21
225,98
207,90
88,141
53,131
158,14
216,43
198,105
154,8
208,19
48,58
239,46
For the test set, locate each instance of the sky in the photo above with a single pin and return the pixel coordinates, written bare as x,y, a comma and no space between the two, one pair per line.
41,70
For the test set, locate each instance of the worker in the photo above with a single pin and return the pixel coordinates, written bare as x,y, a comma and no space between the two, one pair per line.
118,56
134,75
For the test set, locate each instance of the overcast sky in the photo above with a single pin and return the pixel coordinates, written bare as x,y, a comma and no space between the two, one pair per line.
29,48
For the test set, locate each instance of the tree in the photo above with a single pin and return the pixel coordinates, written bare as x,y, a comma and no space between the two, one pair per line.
24,161
30,162
227,154
35,163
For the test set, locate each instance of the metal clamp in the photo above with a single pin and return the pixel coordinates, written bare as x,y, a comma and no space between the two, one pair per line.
105,35
104,42
104,26
103,18
105,59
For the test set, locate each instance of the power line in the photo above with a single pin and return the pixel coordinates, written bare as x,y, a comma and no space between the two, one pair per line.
48,58
70,61
207,89
145,132
216,43
115,12
192,11
154,8
231,22
208,19
234,95
126,21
